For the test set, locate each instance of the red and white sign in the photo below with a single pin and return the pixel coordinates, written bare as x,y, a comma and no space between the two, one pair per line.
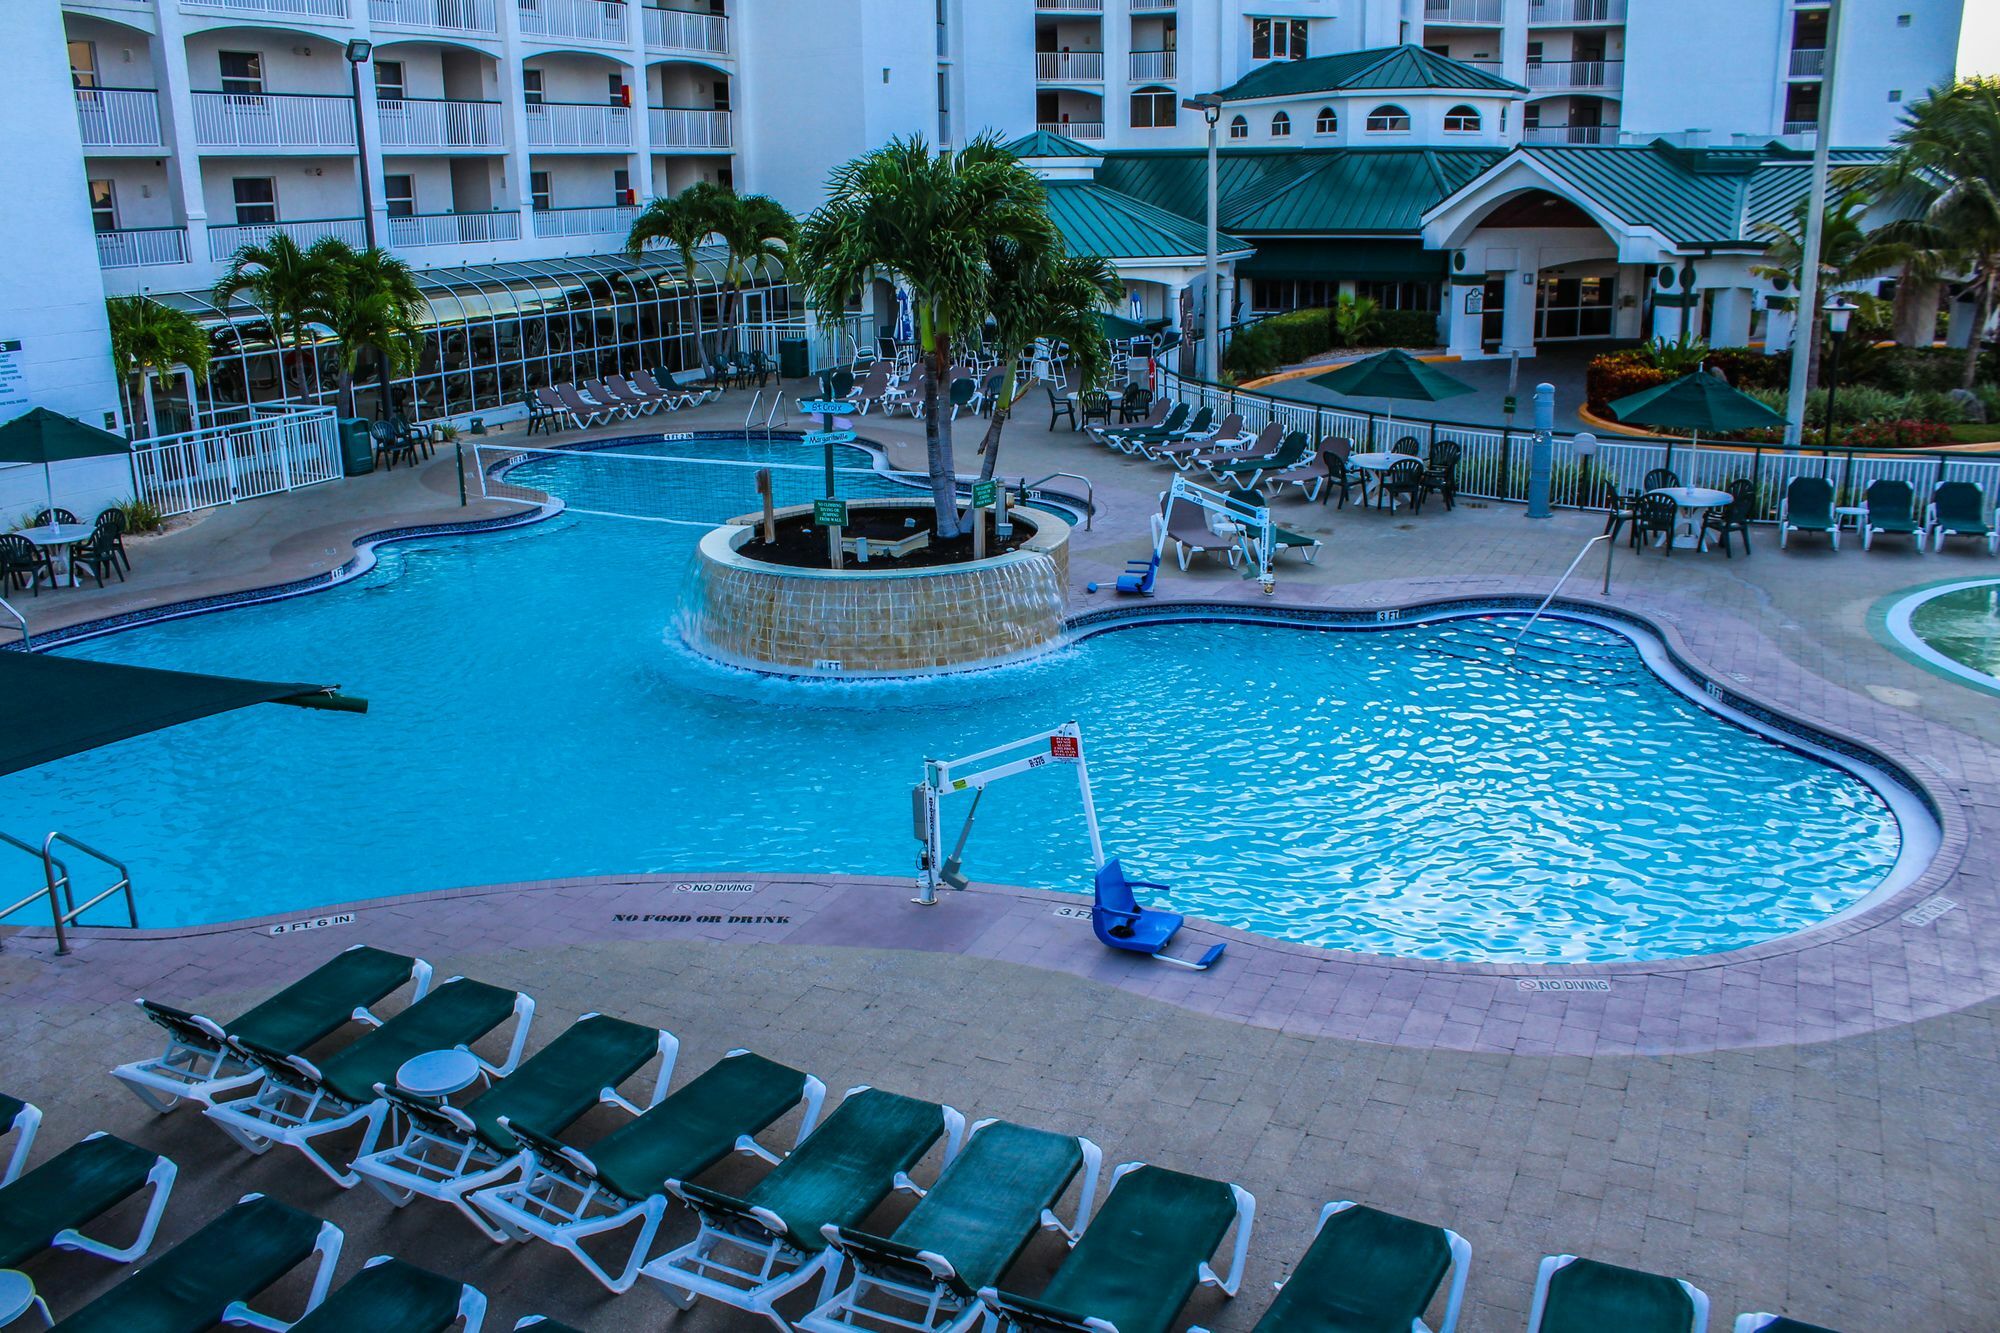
1062,747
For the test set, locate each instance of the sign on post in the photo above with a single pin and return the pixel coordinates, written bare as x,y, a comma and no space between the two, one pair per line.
828,513
984,493
1062,747
826,409
823,437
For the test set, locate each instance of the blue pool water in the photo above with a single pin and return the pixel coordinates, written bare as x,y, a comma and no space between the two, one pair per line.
533,715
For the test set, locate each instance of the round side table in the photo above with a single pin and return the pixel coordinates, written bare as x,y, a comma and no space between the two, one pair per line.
17,1297
438,1074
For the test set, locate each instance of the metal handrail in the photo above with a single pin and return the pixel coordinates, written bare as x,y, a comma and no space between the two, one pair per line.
27,641
60,889
1608,551
777,401
751,415
1089,494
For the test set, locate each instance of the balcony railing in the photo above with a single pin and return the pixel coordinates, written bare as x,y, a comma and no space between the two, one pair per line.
423,123
1570,134
1809,62
118,117
1150,66
682,30
1802,127
1145,6
583,20
1071,5
1074,129
579,125
673,128
1563,12
1462,11
273,120
1577,75
419,229
135,247
1070,66
226,241
615,219
450,15
303,9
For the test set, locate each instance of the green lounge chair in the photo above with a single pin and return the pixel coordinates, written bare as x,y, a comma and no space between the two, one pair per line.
1196,431
211,1277
447,1152
299,1101
1807,507
1370,1272
1154,420
1773,1323
569,1195
46,1208
1889,508
200,1063
541,1323
1214,453
1173,426
750,1251
1284,539
964,1235
20,1119
1575,1295
1247,471
1958,509
1141,1258
390,1294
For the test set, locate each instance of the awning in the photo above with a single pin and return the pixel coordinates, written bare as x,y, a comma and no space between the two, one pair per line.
66,705
1332,259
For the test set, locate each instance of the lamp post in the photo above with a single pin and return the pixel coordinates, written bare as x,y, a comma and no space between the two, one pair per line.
1210,107
1838,311
358,51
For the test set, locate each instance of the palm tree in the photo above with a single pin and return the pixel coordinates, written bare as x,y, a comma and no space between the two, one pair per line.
1043,291
1848,254
682,221
756,230
1944,173
146,338
376,305
929,218
289,283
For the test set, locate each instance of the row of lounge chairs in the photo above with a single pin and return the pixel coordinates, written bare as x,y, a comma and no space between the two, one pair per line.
591,402
1131,1266
1889,508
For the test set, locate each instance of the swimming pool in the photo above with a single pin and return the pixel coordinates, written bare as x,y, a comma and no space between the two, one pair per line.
1407,791
1951,628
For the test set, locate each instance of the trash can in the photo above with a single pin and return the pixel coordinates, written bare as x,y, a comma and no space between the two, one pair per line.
357,451
792,358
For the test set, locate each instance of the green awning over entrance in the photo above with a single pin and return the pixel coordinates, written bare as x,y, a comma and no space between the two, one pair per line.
66,705
1331,259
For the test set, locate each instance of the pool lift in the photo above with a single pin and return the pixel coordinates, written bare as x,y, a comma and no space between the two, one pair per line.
1256,535
1116,916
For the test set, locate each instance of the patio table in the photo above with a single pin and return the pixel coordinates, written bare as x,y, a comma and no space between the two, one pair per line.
58,538
1376,465
1693,503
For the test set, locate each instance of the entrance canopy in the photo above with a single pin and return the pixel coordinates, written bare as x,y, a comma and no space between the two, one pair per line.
66,705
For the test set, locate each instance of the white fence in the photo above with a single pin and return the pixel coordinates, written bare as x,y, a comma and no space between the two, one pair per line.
458,15
831,342
118,117
673,127
222,464
418,229
140,246
224,242
273,120
590,20
579,125
421,123
611,219
683,30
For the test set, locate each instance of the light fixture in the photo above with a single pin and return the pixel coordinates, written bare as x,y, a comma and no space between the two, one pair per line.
1208,104
359,49
1585,444
1838,310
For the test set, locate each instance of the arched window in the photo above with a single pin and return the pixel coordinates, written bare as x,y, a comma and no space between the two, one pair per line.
1328,123
1154,108
1461,120
1388,119
1281,126
1239,128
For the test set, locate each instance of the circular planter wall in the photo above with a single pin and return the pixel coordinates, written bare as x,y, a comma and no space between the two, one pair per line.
877,620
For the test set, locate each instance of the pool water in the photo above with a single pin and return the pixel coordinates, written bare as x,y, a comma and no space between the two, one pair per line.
1963,623
533,714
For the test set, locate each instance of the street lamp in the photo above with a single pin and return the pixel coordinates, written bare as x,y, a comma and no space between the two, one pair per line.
358,51
1210,107
1838,310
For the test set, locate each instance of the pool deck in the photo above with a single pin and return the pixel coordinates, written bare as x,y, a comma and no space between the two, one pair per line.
1805,1126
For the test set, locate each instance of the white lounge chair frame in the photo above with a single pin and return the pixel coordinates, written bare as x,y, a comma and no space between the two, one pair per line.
25,1123
449,1168
327,1247
1461,1261
1555,1263
548,1202
471,1306
160,1182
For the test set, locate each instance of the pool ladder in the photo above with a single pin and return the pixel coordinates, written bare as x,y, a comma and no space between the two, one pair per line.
59,890
750,417
26,640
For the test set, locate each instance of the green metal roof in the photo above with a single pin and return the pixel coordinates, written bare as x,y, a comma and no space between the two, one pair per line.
1100,221
1383,69
1319,191
1046,143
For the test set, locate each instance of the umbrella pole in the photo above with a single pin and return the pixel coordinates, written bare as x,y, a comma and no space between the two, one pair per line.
49,488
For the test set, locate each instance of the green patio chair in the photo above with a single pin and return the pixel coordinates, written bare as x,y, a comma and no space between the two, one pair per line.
964,1235
1773,1323
300,1102
1807,507
19,1119
1958,509
47,1207
447,1152
1575,1295
1889,507
1141,1259
200,1061
1283,539
1291,452
388,1294
212,1276
751,1250
1370,1272
1733,519
569,1195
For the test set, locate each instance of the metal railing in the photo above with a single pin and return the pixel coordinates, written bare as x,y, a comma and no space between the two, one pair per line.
280,449
13,613
59,890
224,242
136,247
1576,11
1092,5
586,221
579,125
118,117
1074,129
1577,75
1608,552
1802,127
687,127
1463,11
451,15
684,30
420,229
1569,134
1808,62
1144,6
584,20
1070,65
1029,488
1147,65
413,122
307,9
273,120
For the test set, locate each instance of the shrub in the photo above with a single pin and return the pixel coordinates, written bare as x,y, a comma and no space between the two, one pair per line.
1252,352
1268,344
1356,321
141,515
1747,368
1616,374
1408,328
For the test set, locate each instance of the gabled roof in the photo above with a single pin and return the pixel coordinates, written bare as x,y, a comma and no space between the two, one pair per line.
1100,221
1046,143
1322,191
1382,69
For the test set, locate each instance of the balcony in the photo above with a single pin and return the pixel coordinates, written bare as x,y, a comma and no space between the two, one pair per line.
273,120
1463,11
421,124
1081,130
479,16
576,20
613,220
1151,6
137,247
1153,66
1580,76
678,129
1802,127
1570,13
1569,134
1070,6
224,242
586,125
1808,62
1069,66
681,30
296,9
415,230
118,117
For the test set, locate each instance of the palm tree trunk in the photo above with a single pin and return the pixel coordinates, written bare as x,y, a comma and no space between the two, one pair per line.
1003,406
1914,322
937,435
146,394
1982,310
346,392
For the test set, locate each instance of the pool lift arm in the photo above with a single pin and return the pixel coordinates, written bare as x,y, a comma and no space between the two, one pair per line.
1256,534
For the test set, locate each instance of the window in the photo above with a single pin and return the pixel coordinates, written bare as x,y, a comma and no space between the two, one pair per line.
399,195
617,88
621,184
256,200
531,86
1154,108
1400,295
1281,126
1461,120
1531,116
1239,128
1902,20
721,100
83,64
389,86
1326,122
725,177
538,191
1390,119
1277,39
1895,94
242,72
103,206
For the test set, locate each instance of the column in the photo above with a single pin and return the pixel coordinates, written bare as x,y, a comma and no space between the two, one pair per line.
515,190
1514,45
1517,323
638,77
1629,314
183,155
1731,315
1780,321
1463,325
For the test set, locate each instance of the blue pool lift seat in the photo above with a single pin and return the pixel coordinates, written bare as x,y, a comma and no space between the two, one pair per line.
1139,576
1121,923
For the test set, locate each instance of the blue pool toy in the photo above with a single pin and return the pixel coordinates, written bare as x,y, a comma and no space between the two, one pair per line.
1122,923
1090,587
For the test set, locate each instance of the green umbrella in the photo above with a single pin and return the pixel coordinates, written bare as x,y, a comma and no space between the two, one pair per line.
46,437
1117,328
1392,374
1698,402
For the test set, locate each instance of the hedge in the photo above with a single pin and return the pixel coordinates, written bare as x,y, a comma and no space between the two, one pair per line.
1270,344
1407,328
